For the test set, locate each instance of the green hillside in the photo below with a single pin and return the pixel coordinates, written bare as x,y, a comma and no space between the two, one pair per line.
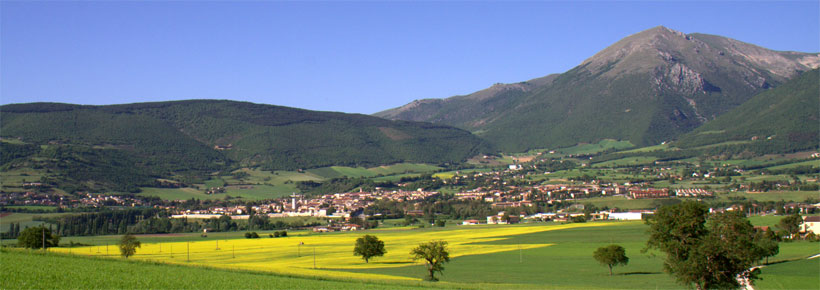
647,88
784,119
122,147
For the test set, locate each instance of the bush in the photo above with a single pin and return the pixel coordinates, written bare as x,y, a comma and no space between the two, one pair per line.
275,234
251,235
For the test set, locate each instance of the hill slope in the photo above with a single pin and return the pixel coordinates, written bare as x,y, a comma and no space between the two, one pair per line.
781,120
649,87
193,137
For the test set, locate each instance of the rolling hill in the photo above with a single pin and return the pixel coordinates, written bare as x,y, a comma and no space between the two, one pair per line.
784,119
647,88
122,146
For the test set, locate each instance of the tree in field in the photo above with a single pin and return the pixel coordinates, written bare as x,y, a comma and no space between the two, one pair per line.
32,238
791,224
435,254
368,247
768,246
611,256
707,251
129,245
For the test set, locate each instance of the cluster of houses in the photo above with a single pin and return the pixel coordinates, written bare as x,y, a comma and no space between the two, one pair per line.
52,199
503,218
338,205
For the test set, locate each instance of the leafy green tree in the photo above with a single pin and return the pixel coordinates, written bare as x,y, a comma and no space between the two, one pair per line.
791,224
32,238
435,254
768,247
368,247
709,252
611,256
128,245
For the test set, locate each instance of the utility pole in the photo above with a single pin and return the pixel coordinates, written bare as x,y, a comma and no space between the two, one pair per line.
520,255
314,257
233,251
188,245
44,238
217,244
106,249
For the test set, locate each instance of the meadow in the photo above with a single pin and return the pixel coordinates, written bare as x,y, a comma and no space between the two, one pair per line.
22,270
536,255
602,145
294,255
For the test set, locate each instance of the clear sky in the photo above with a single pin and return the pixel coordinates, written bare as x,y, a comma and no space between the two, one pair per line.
360,57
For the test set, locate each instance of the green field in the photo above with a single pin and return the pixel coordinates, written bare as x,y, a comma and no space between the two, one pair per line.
813,163
21,270
595,148
24,219
355,172
620,202
537,255
795,196
798,274
250,192
659,147
12,180
46,208
629,161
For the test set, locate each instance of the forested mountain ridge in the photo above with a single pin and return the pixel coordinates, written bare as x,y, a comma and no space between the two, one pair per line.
189,138
783,119
647,88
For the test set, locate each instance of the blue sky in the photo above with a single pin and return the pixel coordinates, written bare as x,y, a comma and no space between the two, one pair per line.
359,57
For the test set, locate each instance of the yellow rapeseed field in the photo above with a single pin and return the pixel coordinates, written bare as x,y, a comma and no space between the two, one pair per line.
316,254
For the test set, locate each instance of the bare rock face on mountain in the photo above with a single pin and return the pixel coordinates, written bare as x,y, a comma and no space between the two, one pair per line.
646,88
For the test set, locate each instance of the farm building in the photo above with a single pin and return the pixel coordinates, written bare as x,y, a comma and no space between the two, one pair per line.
811,224
625,216
648,192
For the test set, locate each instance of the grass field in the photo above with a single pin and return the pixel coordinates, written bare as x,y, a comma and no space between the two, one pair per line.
813,163
597,147
21,270
537,255
249,192
293,255
387,170
47,208
12,180
25,219
629,161
659,147
791,275
619,202
796,196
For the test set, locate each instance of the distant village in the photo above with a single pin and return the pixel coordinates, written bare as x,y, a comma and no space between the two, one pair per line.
499,195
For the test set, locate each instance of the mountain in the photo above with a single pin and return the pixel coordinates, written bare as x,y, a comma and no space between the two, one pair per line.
137,143
784,119
646,88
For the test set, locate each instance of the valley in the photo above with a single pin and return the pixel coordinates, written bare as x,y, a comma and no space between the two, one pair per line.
523,181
